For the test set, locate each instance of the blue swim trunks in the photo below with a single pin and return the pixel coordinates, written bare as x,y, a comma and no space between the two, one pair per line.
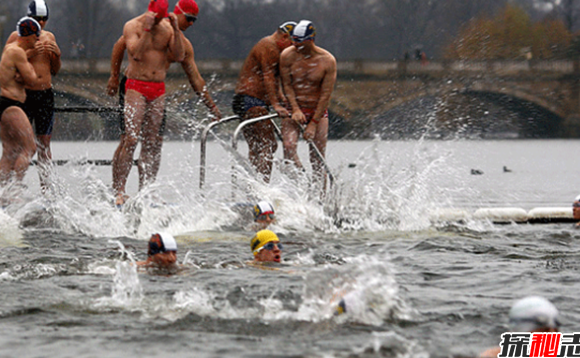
243,103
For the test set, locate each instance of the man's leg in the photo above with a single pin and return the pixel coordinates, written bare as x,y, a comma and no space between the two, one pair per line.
134,113
320,140
261,142
150,157
44,155
18,144
290,133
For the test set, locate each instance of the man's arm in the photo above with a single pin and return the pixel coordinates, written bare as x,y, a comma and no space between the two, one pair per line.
137,42
269,60
116,61
198,83
176,46
24,67
326,89
53,48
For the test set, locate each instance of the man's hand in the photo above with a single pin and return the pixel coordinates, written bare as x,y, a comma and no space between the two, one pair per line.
309,132
299,117
149,22
282,112
173,21
215,113
52,47
37,50
112,86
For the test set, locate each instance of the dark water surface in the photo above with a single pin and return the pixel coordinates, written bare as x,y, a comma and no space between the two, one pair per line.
419,288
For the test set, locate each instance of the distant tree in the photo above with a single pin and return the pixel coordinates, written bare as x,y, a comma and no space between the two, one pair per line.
510,35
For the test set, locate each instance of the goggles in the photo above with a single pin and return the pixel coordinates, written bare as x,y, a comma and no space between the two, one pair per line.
40,18
266,216
270,246
188,17
576,204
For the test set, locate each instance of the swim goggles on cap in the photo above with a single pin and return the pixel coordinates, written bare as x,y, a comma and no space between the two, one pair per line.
270,246
576,204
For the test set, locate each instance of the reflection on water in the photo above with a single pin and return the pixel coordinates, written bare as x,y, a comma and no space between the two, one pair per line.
413,288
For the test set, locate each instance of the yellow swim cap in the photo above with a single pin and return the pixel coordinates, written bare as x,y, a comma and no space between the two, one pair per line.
262,238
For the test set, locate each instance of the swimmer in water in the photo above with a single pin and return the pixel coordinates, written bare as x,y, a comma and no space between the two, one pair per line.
161,253
530,314
266,247
576,210
263,215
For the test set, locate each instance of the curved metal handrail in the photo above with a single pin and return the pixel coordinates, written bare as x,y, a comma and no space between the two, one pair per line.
247,122
203,145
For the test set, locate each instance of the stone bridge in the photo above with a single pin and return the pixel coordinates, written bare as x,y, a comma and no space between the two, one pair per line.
367,90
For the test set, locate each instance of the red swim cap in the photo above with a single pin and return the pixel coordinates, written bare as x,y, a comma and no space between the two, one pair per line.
186,7
159,7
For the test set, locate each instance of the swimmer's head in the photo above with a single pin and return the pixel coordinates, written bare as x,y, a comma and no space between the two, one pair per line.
576,208
188,7
38,10
533,314
304,31
287,27
264,211
266,246
160,243
186,12
159,7
27,26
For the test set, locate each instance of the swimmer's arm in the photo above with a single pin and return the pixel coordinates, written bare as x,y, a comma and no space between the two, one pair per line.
268,62
326,90
136,44
24,67
197,82
116,61
176,45
55,62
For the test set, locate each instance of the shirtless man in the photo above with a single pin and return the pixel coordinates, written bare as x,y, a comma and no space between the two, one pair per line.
308,75
39,105
186,12
148,41
258,88
18,144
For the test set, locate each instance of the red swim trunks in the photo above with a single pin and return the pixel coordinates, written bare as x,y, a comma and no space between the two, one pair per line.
309,114
150,90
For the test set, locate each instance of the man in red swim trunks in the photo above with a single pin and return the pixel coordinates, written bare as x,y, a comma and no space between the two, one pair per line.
149,40
186,12
308,76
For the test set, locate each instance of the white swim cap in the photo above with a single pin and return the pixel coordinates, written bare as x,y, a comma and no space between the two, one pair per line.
577,198
533,313
263,208
38,8
168,241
